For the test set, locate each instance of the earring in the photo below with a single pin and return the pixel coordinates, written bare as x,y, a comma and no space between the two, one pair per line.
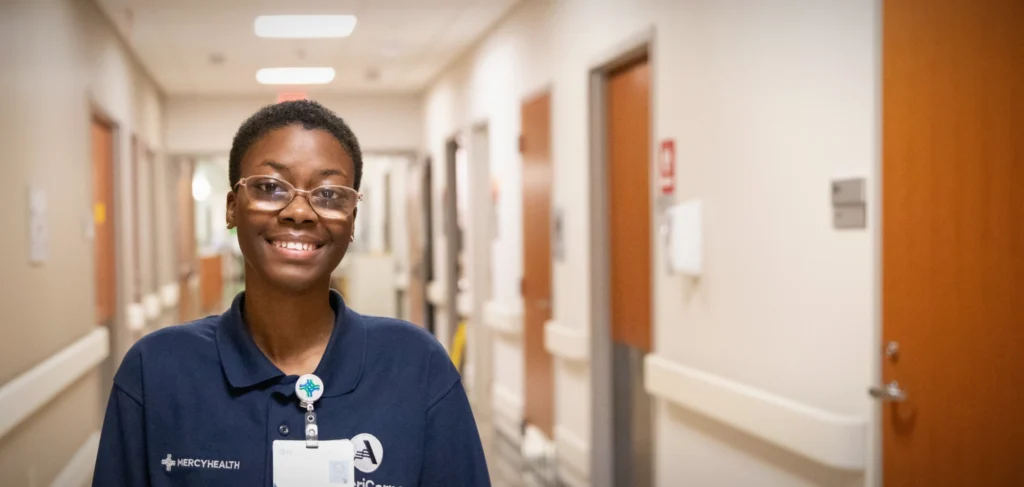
352,238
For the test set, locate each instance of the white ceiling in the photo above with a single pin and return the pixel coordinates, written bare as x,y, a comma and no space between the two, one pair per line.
175,39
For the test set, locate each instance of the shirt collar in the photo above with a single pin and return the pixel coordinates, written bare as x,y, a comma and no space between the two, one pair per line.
340,368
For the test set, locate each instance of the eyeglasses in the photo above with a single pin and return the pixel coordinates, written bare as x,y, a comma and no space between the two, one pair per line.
271,194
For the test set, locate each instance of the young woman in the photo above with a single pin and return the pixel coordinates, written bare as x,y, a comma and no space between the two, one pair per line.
269,392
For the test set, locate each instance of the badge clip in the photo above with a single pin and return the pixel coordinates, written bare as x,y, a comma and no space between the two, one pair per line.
309,388
312,431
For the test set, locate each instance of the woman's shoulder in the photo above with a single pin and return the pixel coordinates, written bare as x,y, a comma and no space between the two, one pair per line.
399,350
186,336
164,350
393,336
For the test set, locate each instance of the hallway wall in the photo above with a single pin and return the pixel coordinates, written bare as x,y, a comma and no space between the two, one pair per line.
767,102
204,125
60,57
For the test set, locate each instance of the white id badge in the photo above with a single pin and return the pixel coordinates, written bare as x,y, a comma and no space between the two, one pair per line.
331,464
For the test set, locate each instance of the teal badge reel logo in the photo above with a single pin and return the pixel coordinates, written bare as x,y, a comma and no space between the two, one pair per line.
309,388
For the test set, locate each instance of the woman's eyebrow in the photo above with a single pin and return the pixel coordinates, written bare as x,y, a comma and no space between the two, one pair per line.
277,166
330,172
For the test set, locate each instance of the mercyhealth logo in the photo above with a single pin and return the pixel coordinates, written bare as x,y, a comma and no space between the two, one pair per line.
170,463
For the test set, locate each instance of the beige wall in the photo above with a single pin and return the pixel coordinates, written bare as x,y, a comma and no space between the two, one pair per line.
767,102
58,58
198,125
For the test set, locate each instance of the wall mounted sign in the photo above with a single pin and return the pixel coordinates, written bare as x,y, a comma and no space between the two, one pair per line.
667,167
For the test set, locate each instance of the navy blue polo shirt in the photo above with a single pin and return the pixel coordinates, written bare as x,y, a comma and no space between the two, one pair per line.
199,404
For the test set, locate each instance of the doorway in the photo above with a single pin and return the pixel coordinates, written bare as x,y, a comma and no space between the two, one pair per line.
952,243
418,233
621,258
185,243
535,147
480,361
429,274
104,244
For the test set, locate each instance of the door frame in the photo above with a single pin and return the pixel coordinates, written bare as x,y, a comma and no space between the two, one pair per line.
543,91
479,340
602,448
118,344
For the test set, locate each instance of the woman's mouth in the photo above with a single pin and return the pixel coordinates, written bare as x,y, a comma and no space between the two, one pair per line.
295,249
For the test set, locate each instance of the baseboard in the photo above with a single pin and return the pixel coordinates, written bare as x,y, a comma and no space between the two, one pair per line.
504,319
507,407
573,453
833,440
78,471
28,392
566,343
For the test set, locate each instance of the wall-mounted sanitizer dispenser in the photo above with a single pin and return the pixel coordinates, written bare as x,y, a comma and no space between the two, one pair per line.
683,231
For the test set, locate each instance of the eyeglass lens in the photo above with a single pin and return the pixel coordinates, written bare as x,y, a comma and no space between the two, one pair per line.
271,194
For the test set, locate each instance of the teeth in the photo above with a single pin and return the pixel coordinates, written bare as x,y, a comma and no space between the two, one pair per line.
295,245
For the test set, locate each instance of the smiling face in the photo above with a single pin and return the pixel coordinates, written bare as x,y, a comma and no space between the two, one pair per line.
293,249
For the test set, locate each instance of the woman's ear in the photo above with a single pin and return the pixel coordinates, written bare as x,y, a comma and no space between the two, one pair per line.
230,213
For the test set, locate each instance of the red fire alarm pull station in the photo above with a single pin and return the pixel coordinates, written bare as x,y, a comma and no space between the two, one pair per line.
281,97
667,167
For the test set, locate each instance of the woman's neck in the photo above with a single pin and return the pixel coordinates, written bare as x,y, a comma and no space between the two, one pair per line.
292,330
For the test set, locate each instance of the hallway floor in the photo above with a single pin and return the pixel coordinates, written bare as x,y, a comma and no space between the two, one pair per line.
507,466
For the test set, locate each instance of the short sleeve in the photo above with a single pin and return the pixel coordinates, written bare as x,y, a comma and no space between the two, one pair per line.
121,458
452,452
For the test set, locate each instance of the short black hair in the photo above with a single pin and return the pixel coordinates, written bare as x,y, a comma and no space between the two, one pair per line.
310,114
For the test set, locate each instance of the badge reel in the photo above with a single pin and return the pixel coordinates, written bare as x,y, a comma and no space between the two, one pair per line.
313,462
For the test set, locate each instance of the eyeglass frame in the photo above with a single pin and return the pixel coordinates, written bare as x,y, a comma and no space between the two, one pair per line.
303,192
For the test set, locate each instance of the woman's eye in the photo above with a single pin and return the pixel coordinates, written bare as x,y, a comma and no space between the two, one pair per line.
269,187
328,193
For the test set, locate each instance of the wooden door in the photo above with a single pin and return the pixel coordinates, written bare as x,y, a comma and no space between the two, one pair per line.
629,189
416,291
953,242
535,146
104,246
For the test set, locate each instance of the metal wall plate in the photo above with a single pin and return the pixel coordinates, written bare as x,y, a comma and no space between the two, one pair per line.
848,191
849,216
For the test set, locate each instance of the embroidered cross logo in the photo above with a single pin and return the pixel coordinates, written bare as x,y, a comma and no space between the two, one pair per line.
310,387
168,462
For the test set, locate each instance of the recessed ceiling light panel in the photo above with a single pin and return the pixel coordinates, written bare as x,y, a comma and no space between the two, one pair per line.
295,76
304,26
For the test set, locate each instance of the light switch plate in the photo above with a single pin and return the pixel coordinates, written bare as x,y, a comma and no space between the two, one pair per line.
38,231
848,191
847,217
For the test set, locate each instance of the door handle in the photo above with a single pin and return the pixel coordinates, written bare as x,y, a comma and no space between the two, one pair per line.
891,392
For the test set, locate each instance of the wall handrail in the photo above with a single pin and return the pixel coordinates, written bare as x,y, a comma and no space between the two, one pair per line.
25,394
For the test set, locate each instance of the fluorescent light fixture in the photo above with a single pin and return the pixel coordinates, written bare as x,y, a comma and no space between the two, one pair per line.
305,26
295,76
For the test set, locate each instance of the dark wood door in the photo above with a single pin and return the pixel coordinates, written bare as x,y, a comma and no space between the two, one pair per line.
535,146
629,189
104,246
953,241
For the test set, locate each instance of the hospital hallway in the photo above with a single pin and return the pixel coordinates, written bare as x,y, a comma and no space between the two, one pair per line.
662,243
